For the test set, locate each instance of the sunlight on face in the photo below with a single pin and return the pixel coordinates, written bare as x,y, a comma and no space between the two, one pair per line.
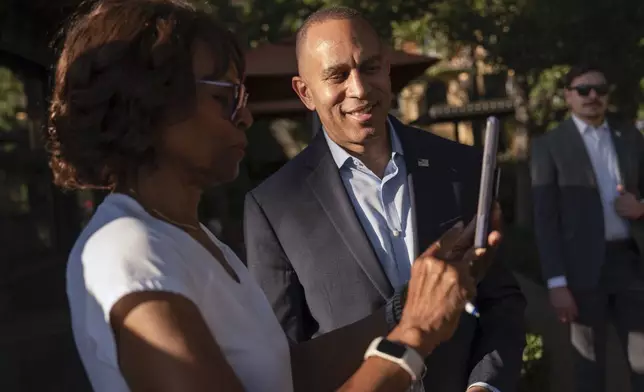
344,76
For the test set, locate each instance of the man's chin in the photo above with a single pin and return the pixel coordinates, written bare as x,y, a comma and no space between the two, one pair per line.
364,133
593,113
362,127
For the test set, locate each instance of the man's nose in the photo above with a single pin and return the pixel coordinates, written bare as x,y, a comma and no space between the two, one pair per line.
357,88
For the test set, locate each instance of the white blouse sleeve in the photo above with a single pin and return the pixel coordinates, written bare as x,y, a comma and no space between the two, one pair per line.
125,257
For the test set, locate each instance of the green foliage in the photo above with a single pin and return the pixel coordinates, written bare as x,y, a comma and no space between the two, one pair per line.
547,104
534,375
273,20
533,350
12,99
531,36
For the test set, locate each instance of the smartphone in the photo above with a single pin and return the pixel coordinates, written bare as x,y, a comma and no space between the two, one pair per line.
489,183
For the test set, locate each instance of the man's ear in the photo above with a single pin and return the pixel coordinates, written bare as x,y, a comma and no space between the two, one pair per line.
302,91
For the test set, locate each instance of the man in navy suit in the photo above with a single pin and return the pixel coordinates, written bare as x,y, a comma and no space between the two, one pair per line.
332,234
588,184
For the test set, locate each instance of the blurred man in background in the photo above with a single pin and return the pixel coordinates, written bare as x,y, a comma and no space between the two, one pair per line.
588,181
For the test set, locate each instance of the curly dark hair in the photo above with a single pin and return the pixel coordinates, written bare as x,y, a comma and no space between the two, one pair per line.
125,69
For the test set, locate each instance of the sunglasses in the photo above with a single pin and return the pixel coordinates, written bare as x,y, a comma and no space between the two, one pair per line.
585,89
240,96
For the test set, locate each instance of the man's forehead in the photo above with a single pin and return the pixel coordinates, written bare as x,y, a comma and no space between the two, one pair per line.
338,37
593,76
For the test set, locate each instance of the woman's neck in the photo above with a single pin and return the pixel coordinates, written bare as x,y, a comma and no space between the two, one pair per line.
167,195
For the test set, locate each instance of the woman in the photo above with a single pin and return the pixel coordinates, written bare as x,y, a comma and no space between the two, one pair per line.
149,103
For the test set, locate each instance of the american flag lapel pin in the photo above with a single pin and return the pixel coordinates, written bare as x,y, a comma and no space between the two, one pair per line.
423,163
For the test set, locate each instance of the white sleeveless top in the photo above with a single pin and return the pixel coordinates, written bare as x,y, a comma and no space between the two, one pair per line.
123,249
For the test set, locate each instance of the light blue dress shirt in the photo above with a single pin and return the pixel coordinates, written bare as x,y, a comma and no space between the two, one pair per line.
384,209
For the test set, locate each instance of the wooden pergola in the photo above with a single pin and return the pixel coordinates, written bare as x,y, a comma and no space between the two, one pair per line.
476,111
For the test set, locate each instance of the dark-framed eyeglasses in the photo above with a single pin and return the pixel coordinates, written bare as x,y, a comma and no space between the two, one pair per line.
585,89
240,95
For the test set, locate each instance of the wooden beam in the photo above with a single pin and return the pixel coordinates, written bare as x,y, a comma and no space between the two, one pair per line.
275,107
468,112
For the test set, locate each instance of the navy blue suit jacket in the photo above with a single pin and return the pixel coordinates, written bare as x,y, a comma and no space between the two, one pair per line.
308,251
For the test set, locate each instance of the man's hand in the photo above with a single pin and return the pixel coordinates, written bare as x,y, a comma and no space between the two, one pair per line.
479,268
564,304
441,283
627,206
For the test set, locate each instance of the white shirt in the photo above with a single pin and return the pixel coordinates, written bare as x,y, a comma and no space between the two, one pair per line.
601,151
599,144
124,250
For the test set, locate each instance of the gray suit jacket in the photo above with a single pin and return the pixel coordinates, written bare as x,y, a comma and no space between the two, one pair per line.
309,252
569,222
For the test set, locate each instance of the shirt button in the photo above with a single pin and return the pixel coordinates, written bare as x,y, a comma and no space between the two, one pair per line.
396,233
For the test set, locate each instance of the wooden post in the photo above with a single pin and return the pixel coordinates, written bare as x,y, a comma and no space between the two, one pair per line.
456,132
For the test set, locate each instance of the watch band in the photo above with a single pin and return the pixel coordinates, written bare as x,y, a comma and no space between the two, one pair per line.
405,357
394,307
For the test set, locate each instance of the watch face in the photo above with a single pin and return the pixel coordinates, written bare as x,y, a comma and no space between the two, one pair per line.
394,349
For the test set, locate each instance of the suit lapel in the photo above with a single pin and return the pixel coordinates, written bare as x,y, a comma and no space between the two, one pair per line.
623,156
328,188
435,192
576,154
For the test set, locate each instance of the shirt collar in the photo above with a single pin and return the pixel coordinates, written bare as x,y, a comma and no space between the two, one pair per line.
582,126
340,156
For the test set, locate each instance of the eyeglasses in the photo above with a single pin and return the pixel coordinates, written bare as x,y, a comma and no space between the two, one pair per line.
585,89
240,96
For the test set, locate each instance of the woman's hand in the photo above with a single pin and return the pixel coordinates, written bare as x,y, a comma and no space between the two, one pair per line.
441,283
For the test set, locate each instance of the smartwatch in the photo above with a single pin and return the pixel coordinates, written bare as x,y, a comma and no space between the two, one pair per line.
403,356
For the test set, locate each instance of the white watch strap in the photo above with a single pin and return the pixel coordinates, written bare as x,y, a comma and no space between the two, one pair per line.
412,362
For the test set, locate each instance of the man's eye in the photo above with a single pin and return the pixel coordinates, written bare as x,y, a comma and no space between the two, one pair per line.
339,76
